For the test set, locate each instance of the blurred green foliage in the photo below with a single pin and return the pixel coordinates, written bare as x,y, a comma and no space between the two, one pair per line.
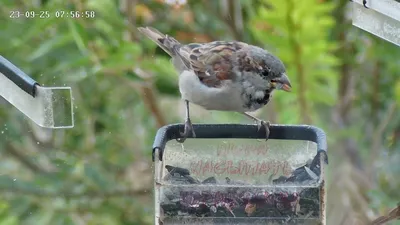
299,33
345,81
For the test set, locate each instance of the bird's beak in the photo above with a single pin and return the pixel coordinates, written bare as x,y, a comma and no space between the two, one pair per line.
283,83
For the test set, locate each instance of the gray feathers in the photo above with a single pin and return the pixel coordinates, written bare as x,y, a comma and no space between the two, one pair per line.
223,75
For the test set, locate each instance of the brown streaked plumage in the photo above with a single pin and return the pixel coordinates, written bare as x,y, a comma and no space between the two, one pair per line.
223,75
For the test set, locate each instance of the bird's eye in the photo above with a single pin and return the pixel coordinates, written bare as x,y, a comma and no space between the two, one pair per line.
266,72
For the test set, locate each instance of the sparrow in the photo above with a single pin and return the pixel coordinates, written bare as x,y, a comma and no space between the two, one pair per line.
223,76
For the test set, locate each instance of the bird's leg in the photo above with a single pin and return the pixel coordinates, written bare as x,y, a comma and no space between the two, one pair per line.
260,123
188,126
364,3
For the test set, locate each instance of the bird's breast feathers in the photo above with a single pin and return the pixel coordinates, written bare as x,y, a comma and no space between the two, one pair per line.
240,95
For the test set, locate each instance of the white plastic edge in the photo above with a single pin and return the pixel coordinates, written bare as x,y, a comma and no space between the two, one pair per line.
381,25
390,8
38,109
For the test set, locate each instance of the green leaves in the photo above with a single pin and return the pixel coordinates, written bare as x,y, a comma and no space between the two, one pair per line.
50,45
79,35
295,32
397,91
5,217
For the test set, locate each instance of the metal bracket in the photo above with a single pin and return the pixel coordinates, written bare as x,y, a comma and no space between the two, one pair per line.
49,107
381,18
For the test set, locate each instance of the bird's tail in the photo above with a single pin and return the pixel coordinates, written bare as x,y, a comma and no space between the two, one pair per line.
169,44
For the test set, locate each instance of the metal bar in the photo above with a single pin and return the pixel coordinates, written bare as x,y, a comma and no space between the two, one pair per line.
49,107
389,8
17,76
377,23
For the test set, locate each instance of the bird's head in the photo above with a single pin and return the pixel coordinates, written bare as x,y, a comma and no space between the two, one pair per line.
271,69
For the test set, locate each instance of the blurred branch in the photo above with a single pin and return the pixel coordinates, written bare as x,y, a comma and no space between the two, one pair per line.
392,215
149,97
297,51
147,93
347,83
375,102
347,203
236,10
379,133
24,160
150,101
230,23
78,4
133,84
90,194
131,15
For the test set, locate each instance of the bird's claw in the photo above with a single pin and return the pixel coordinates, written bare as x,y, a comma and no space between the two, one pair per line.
265,124
187,131
364,4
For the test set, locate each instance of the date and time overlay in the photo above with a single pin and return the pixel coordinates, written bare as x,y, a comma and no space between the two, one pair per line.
42,14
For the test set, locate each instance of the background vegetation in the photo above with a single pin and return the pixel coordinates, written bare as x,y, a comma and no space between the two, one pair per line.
345,80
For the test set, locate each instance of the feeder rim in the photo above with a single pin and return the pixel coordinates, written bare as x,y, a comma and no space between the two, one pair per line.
246,131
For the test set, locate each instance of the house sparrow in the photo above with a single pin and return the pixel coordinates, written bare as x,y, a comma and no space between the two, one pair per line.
223,75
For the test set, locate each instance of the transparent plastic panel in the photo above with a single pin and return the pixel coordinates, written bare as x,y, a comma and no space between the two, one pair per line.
255,162
239,181
51,107
385,27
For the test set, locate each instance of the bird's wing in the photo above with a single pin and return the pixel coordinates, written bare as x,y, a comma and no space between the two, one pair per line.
169,44
212,62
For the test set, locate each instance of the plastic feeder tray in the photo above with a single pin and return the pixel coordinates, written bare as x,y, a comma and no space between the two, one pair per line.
49,107
229,174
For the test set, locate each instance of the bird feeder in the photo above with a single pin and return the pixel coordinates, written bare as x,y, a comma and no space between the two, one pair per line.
49,107
378,17
229,174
